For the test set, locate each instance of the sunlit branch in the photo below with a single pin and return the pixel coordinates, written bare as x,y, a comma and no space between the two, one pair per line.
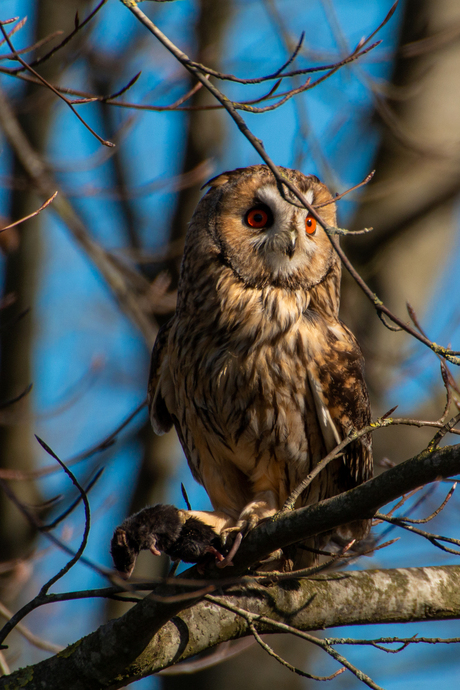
337,197
282,661
384,421
434,539
18,26
103,99
31,215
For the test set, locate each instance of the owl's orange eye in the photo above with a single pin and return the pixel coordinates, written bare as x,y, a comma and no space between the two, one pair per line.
259,217
310,225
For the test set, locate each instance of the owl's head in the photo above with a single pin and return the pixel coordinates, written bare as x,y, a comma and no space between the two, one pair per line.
264,238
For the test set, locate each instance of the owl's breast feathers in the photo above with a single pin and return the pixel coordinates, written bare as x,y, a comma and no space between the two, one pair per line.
260,386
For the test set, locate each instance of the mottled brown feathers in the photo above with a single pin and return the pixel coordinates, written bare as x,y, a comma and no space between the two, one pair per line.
255,370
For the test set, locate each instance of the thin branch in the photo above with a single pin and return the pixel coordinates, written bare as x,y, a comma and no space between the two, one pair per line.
42,596
28,49
126,296
104,99
285,663
436,512
75,503
404,641
84,540
337,197
353,436
38,642
445,429
22,395
78,26
446,383
31,215
250,617
53,89
16,28
434,539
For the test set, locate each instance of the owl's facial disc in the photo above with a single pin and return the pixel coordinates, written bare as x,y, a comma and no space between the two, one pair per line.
262,237
281,232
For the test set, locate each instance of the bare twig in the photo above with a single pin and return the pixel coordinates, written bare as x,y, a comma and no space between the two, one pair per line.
53,89
355,435
31,215
446,428
74,504
404,641
251,618
42,597
22,395
435,512
78,26
28,49
103,99
285,663
84,540
18,26
434,539
337,197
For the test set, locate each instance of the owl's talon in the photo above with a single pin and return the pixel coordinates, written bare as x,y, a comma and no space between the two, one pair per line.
228,560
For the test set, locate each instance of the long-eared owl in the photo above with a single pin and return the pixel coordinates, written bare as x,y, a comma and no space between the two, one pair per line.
255,370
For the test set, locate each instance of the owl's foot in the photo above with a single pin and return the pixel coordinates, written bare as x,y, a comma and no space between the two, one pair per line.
163,529
234,536
228,560
248,520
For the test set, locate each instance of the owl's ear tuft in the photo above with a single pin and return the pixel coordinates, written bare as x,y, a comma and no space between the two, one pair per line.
228,176
217,181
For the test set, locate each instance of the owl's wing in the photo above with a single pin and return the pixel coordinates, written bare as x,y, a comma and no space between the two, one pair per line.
160,416
336,379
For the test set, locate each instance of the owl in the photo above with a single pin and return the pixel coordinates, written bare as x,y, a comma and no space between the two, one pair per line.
255,370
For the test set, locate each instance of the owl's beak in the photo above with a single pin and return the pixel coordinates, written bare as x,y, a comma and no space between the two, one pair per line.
290,246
